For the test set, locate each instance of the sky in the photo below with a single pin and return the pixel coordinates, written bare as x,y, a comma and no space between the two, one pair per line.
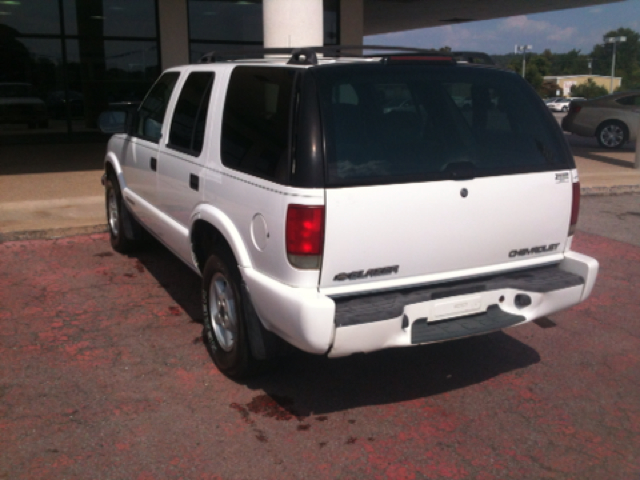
559,31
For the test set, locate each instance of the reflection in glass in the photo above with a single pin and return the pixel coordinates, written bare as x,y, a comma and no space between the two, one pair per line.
121,71
220,21
30,69
46,88
114,18
31,17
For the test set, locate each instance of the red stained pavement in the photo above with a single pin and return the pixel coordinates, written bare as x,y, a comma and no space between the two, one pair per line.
103,375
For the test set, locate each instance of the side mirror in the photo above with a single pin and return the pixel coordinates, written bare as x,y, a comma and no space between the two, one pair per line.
113,121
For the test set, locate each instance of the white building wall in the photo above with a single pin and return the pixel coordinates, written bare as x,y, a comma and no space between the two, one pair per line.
293,23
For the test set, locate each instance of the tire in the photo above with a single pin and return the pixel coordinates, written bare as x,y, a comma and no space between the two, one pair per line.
225,327
565,109
123,228
612,134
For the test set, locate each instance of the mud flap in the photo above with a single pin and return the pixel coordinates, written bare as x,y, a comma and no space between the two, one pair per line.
263,343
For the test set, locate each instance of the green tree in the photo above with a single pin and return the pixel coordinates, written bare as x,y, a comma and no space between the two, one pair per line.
588,90
534,77
570,63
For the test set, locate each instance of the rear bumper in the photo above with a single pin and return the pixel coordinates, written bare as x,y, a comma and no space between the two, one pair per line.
569,125
342,326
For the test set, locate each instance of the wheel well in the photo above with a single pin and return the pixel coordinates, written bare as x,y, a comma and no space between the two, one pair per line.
205,238
109,170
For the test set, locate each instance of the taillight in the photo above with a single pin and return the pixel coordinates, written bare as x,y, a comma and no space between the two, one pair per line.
575,208
573,108
305,235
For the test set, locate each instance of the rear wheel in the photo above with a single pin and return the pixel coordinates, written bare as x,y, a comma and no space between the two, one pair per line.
612,134
224,317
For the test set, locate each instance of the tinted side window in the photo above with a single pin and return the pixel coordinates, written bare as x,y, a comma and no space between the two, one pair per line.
631,100
256,121
190,115
151,113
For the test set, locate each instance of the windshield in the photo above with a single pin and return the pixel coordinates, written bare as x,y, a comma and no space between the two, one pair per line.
386,124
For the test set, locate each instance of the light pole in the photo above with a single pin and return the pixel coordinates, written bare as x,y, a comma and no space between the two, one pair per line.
523,49
615,41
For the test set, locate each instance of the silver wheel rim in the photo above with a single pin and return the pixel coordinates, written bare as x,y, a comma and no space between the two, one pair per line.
112,211
222,312
612,135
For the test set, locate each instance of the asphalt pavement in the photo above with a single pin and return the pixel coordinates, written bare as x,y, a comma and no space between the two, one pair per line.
104,375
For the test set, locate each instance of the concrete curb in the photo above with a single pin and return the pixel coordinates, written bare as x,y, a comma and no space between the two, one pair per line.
611,190
52,233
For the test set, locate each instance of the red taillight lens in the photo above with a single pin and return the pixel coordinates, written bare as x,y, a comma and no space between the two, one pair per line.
574,108
575,208
305,230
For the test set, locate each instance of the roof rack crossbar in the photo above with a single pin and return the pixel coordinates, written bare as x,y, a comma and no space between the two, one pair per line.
308,55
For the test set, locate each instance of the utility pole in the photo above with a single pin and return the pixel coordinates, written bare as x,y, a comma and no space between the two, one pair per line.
523,49
615,41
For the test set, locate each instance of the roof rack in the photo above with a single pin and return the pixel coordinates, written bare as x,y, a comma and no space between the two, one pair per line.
308,55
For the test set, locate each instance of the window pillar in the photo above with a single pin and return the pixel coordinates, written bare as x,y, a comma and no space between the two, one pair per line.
174,33
293,23
351,22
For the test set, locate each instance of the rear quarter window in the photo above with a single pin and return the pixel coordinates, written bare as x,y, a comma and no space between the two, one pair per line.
256,122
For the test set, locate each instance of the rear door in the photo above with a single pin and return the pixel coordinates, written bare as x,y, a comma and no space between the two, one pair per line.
424,188
181,158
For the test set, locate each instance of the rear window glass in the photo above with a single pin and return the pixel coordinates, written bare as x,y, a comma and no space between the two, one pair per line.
386,124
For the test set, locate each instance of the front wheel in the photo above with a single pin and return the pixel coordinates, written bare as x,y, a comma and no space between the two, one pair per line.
612,134
224,318
119,219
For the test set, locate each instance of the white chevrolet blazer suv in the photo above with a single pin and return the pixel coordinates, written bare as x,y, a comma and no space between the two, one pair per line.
346,204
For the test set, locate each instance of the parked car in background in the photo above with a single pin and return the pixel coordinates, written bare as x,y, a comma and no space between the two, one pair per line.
547,101
59,102
562,104
612,119
18,104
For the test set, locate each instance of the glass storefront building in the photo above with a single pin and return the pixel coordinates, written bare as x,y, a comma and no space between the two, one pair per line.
62,62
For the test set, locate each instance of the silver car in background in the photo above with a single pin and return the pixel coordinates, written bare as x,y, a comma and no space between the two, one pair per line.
562,104
612,119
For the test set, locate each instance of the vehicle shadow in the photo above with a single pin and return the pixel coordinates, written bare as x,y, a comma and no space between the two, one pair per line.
302,384
178,280
305,384
604,159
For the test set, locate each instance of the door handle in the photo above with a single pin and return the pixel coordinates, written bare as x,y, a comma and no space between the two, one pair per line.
194,182
154,164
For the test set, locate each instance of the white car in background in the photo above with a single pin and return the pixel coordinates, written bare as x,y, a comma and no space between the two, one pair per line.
562,104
